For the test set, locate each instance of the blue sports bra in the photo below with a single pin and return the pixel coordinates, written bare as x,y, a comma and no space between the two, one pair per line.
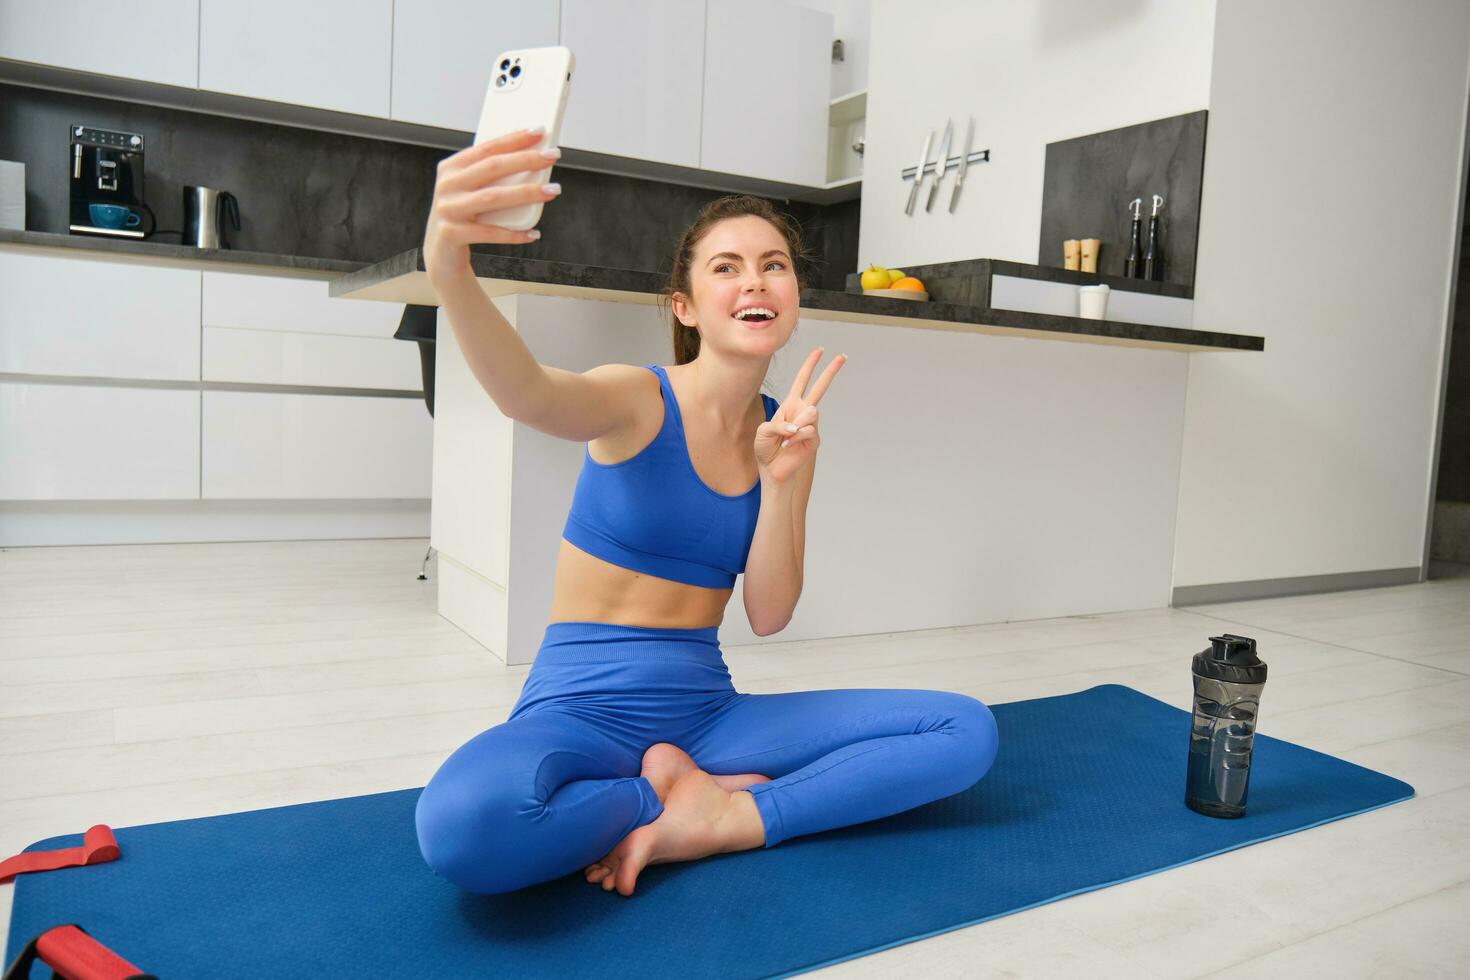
652,513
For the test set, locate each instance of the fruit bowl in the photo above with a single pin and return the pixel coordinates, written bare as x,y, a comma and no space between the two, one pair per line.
913,294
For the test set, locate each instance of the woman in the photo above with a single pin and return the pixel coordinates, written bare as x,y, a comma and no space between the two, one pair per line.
629,745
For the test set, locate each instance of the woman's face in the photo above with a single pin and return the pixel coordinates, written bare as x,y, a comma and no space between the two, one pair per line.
741,263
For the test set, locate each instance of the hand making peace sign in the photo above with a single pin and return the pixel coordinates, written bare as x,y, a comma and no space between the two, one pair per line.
789,440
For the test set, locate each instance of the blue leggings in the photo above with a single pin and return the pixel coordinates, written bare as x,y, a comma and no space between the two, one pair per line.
557,785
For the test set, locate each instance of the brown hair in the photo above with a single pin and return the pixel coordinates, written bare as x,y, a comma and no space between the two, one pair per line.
686,339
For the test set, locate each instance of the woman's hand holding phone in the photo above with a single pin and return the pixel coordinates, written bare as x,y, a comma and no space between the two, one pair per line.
461,194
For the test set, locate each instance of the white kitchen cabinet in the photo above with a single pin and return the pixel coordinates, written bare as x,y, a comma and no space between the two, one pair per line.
267,445
157,41
767,75
331,54
635,90
443,52
76,442
300,305
79,318
278,357
268,330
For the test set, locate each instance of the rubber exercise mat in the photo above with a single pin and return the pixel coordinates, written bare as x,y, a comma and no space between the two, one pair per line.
1087,790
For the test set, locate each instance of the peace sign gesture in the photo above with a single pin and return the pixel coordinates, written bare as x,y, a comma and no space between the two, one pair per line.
789,440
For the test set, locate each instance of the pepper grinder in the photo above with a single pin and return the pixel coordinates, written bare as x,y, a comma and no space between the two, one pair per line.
1153,256
1135,246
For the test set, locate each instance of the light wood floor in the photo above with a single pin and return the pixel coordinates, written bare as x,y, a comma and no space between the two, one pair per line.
149,683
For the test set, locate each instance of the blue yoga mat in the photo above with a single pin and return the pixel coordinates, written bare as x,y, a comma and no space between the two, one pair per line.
1087,791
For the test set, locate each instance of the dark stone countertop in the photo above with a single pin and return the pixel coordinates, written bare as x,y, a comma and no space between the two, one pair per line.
179,256
946,279
402,279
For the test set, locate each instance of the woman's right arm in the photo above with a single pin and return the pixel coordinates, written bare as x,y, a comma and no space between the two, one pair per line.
579,407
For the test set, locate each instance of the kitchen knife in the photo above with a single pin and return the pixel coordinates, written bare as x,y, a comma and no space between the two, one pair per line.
919,174
940,166
959,178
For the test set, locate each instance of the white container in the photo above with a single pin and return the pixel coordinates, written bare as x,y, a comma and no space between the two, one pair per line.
12,195
1092,302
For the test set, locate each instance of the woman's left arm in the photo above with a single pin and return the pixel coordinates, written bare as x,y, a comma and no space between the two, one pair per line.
786,456
773,570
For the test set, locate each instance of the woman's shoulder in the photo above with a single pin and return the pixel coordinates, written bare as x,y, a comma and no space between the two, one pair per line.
639,391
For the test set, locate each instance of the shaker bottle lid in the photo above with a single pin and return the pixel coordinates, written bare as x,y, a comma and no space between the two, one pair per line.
1231,658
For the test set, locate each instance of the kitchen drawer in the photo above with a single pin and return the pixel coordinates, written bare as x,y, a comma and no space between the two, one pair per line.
296,305
75,442
86,319
321,360
266,445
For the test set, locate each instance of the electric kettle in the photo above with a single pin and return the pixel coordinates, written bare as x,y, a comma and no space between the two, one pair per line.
206,210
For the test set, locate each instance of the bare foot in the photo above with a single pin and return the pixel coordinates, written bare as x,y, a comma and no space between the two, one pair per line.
699,819
663,765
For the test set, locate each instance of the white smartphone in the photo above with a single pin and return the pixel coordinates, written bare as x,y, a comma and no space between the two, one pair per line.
528,88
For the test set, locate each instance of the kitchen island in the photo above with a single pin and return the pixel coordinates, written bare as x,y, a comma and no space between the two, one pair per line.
968,474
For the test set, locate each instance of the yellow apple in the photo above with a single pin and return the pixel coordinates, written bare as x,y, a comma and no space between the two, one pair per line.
894,275
875,277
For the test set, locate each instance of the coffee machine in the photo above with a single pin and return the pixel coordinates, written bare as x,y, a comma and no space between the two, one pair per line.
107,183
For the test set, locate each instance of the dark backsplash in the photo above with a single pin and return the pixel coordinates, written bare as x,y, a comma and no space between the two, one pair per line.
1090,180
326,195
1454,440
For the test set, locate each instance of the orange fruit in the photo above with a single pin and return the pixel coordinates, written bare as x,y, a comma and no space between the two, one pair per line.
909,282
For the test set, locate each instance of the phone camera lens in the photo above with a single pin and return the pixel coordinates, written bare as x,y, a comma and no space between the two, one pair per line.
499,81
505,64
515,71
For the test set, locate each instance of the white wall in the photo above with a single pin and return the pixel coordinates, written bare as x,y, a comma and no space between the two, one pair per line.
1332,168
1327,224
1022,414
1030,73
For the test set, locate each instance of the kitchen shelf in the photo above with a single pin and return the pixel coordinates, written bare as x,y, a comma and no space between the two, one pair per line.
968,280
172,256
848,108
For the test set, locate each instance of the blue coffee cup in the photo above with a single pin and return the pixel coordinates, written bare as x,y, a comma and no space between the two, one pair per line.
113,216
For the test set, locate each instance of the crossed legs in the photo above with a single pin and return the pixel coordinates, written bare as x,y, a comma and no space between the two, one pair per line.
554,790
840,757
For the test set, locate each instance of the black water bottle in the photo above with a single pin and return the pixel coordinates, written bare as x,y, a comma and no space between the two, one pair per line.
1228,678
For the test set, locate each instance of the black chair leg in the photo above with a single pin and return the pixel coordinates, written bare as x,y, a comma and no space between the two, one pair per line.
426,363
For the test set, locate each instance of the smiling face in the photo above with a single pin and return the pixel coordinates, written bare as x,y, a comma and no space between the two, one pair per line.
740,266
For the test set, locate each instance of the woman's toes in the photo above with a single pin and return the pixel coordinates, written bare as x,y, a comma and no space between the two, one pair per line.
603,871
609,880
630,858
